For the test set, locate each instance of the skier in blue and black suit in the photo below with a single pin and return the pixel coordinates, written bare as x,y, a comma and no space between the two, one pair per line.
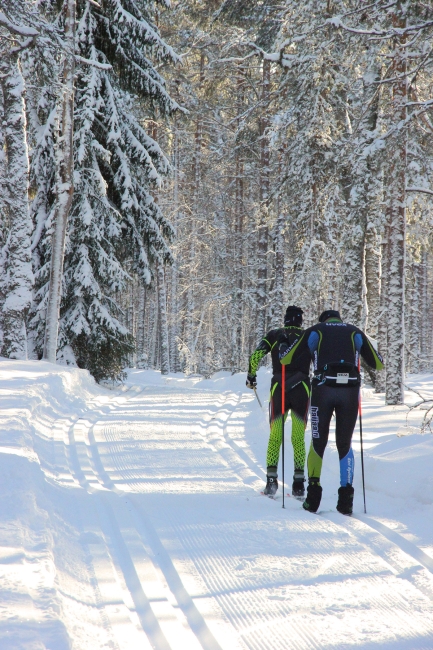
335,349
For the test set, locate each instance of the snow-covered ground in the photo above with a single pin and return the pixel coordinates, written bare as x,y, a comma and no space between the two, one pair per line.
132,519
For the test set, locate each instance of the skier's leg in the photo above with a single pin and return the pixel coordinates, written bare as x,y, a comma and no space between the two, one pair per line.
321,409
274,444
275,439
275,436
346,412
299,400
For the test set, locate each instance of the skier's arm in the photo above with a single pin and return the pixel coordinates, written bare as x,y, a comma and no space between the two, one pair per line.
261,351
370,354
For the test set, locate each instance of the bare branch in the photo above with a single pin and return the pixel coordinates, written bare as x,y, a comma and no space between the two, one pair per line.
419,189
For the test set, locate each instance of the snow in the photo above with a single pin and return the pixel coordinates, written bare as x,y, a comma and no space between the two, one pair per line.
132,519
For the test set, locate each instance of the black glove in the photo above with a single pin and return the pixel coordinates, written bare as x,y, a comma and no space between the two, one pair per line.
251,381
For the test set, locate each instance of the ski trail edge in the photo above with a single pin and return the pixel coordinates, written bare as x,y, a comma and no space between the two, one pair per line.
404,544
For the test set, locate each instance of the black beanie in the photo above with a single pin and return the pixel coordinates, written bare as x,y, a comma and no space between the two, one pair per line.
293,315
329,313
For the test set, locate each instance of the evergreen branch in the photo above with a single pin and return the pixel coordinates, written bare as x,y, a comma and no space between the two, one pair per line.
93,62
20,30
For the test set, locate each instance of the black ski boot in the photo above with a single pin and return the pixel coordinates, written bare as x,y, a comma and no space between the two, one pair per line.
298,489
314,495
345,500
271,486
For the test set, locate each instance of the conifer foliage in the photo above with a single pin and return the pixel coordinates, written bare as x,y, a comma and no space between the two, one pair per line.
116,228
301,172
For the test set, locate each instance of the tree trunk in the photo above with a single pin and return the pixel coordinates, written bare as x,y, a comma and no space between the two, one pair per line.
262,244
238,265
426,321
372,279
361,197
65,187
382,324
18,266
174,276
414,304
397,220
141,323
163,325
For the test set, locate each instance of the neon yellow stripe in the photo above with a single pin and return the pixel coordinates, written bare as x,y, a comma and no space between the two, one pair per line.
379,364
289,356
320,341
306,388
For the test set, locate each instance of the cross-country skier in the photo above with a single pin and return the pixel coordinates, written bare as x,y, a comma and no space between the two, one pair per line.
297,395
335,348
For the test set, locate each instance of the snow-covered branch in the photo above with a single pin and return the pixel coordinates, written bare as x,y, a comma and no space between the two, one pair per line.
94,63
20,30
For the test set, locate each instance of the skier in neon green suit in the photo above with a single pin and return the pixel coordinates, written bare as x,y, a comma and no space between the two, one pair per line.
297,396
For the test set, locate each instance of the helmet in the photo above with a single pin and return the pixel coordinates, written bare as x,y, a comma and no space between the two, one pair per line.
293,315
329,313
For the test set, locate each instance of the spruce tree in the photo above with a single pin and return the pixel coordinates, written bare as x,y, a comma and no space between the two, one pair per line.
116,227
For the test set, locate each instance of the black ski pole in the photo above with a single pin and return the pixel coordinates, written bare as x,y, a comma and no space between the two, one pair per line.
362,448
283,405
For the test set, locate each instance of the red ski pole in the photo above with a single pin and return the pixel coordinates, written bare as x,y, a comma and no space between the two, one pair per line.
283,408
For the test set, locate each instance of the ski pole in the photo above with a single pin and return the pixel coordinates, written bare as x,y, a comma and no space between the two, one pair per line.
283,405
258,398
360,436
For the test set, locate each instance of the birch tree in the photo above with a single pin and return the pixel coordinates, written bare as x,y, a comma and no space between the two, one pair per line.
64,183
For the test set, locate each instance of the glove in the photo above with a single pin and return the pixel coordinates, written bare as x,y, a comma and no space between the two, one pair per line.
251,381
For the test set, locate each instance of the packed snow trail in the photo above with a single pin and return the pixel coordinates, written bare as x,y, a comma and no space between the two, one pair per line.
133,519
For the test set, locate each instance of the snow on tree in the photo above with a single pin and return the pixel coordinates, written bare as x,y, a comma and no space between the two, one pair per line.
17,277
115,226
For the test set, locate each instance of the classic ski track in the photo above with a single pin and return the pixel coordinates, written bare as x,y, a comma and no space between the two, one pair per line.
242,459
217,574
96,480
60,438
83,470
219,440
366,534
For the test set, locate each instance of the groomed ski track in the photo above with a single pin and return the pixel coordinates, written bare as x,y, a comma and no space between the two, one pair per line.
158,485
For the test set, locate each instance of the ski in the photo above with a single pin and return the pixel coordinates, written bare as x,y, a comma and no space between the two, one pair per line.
270,496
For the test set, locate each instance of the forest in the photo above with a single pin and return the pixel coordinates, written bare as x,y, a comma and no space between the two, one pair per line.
174,174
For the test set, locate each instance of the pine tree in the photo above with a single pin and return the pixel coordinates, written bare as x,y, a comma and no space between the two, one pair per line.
115,228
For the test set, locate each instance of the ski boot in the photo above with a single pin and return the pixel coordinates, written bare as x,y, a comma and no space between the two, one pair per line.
314,495
345,500
298,489
271,486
